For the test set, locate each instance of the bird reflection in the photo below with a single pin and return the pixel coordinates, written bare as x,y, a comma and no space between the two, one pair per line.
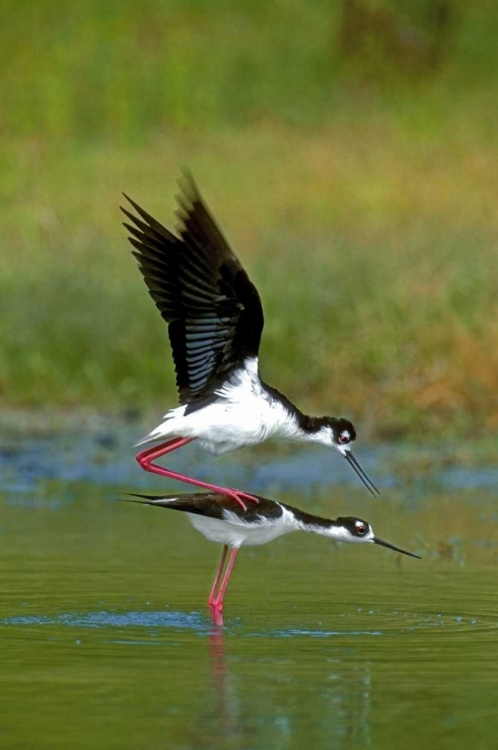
229,720
341,707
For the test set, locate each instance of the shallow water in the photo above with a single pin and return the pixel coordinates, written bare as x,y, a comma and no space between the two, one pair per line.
107,643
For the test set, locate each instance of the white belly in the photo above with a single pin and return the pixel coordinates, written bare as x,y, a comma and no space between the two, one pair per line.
236,533
226,426
243,414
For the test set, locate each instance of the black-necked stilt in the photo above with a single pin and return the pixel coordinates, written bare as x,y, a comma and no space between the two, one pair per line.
220,519
215,323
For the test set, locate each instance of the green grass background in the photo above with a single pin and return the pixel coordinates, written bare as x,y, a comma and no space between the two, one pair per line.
362,200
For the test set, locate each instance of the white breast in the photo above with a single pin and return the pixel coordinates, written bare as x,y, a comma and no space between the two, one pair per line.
243,414
236,532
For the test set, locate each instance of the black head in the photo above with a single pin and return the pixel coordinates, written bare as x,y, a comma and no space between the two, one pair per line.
343,431
343,434
355,526
337,433
351,529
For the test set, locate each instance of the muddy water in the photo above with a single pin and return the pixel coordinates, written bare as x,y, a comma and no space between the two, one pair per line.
107,643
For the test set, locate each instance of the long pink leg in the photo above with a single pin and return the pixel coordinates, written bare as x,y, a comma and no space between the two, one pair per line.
218,602
212,597
216,619
147,457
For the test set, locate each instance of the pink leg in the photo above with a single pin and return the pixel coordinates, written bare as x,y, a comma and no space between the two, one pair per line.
147,457
217,619
218,602
212,597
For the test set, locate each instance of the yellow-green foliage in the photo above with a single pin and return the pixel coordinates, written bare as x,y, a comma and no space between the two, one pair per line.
366,214
121,68
375,257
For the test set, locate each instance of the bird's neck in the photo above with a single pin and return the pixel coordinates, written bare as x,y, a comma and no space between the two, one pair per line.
317,525
312,425
295,424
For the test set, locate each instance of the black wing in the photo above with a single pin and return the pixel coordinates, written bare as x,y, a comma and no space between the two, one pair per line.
213,311
211,504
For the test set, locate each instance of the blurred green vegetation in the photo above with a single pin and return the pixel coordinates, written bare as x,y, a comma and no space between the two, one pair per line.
359,190
121,68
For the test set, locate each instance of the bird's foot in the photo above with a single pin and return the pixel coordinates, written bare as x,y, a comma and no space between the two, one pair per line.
239,497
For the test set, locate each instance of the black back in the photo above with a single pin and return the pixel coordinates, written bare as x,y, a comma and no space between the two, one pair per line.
214,505
214,313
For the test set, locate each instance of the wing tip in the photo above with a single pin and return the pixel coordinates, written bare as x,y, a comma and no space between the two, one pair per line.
187,184
188,199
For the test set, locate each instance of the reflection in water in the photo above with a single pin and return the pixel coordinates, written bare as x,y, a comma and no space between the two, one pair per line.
227,718
357,700
266,700
345,698
236,687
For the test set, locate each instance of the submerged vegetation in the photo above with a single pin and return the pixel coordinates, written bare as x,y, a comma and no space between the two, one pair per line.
365,211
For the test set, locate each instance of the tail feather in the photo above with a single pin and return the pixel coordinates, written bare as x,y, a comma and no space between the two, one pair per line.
200,503
151,437
142,499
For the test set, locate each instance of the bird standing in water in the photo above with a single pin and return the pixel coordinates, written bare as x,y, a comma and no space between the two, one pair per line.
220,519
215,321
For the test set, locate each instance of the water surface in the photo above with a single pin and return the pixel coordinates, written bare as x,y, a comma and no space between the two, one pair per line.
107,643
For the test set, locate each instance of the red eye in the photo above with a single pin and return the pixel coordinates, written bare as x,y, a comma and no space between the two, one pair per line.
361,528
343,439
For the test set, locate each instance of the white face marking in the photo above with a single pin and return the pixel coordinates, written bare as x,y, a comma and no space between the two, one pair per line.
326,437
369,536
343,534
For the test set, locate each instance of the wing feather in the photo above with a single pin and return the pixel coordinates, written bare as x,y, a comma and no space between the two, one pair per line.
214,313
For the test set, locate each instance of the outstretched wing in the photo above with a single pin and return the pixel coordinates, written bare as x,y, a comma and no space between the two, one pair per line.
213,311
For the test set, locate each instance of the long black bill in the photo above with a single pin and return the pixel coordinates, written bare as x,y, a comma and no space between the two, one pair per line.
396,549
356,466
